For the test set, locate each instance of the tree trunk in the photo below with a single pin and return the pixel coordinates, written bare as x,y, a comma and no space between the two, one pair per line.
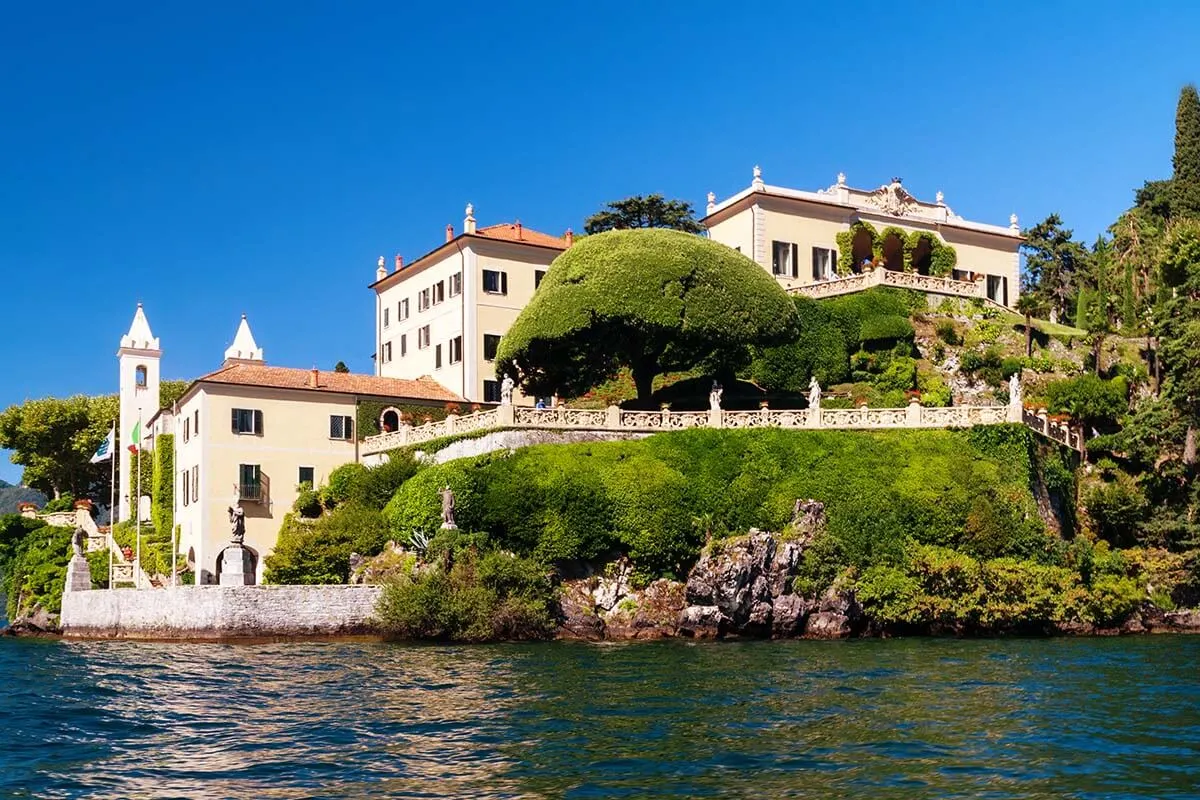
1028,336
1096,353
643,380
1189,446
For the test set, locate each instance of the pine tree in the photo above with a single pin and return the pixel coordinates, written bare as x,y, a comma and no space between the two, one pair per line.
1187,154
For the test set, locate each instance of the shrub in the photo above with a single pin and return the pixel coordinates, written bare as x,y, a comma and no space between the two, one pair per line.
885,330
1088,399
308,501
64,503
1116,507
341,484
948,333
482,596
319,551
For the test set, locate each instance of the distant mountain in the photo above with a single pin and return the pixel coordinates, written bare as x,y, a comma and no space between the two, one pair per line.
10,496
4,484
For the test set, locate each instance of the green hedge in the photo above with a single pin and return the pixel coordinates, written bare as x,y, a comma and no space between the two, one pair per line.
645,498
886,329
162,492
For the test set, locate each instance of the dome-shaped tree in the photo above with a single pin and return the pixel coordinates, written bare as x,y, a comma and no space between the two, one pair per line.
651,300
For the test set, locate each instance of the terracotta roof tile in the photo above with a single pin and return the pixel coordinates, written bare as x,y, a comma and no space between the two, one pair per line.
244,374
509,232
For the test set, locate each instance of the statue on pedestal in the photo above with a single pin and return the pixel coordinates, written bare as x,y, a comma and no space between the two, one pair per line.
814,393
1014,389
77,540
448,509
714,397
237,523
506,390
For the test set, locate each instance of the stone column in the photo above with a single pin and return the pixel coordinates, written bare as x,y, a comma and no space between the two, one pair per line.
451,419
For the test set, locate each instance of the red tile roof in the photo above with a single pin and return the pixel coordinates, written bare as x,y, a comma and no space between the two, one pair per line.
515,232
251,374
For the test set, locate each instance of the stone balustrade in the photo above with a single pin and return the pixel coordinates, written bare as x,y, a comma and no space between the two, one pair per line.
614,419
903,280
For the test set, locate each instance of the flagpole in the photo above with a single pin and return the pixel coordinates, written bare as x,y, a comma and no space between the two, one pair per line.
112,500
174,494
137,513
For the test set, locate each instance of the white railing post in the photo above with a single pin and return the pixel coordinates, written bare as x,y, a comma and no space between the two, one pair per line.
451,419
612,418
505,415
913,414
714,418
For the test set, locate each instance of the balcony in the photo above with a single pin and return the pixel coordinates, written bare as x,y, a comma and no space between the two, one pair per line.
257,491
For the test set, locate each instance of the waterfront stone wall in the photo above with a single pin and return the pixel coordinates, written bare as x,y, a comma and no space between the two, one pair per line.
221,612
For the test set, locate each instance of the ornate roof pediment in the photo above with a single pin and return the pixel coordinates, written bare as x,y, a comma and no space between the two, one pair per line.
892,198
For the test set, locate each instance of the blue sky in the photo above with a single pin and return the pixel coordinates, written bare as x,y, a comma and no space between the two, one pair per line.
216,159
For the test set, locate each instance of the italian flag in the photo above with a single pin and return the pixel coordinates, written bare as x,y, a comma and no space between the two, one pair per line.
135,437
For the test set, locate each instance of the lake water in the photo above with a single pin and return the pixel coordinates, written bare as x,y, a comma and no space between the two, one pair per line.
1077,718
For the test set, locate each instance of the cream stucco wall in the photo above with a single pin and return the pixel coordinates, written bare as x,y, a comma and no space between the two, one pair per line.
445,321
472,315
809,225
295,434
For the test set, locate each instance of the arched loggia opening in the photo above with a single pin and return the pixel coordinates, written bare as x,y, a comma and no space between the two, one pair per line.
389,420
861,249
922,256
892,251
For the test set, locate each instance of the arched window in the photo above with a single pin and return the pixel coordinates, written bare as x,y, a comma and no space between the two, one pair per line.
389,420
139,376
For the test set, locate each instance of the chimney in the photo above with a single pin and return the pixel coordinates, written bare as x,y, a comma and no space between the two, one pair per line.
570,237
518,229
469,222
449,233
399,262
380,271
314,378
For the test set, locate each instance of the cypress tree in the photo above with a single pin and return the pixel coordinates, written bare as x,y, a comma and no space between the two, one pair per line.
1187,154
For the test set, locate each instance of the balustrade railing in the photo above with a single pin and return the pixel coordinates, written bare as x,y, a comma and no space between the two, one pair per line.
904,280
618,420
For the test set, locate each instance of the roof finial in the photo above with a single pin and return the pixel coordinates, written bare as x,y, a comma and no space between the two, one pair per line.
841,179
758,181
1012,223
380,272
941,198
469,222
712,202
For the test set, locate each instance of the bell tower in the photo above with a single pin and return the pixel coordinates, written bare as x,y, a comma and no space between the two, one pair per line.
139,357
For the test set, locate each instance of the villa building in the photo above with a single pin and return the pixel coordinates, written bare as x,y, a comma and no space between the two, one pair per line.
442,315
805,238
249,434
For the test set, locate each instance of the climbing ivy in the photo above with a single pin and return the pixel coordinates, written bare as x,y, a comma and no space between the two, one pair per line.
901,235
845,243
942,257
162,483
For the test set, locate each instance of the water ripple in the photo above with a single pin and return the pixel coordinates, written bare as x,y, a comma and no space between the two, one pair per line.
1075,718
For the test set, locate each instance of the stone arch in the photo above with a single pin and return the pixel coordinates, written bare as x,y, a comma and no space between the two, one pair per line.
862,247
891,249
389,420
922,255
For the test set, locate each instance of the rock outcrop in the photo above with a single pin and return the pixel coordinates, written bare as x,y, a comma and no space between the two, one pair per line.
608,606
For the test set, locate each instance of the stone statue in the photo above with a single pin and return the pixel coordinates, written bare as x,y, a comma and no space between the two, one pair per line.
814,393
77,540
1014,390
237,523
506,390
714,397
448,508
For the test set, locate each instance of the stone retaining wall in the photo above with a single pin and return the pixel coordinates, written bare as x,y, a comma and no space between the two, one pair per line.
221,612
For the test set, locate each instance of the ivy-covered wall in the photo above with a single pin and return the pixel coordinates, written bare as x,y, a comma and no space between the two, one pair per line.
162,482
942,257
413,412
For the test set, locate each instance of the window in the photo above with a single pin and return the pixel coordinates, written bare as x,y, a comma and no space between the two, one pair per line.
997,289
249,482
187,429
823,264
456,284
491,342
456,350
423,300
495,282
403,344
423,337
247,421
196,424
184,483
402,310
439,292
538,274
139,376
386,318
307,475
196,484
386,354
491,391
341,427
437,357
783,259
